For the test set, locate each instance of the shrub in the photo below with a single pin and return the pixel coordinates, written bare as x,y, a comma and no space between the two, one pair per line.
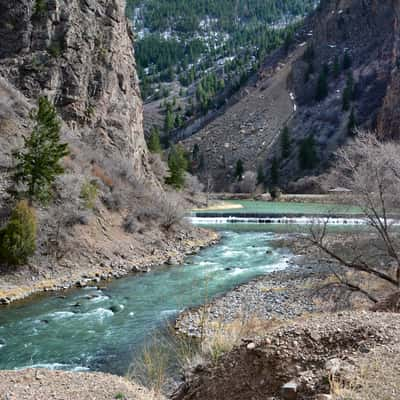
40,8
171,211
131,224
18,237
248,182
192,184
275,193
89,192
98,172
55,49
158,166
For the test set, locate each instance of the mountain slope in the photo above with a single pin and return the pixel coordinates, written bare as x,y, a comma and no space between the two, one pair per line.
343,73
192,55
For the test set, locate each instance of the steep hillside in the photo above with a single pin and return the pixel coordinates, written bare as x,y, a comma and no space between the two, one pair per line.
193,54
110,213
341,73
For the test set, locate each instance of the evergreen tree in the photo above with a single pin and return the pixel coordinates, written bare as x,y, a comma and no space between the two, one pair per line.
348,93
352,124
154,144
336,67
285,143
274,176
260,175
308,157
195,152
38,163
18,237
322,86
169,122
347,62
178,164
239,170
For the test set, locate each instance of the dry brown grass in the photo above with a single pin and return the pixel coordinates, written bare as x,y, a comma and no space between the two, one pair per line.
225,336
151,370
377,377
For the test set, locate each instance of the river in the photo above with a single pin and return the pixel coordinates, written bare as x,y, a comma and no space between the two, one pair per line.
105,329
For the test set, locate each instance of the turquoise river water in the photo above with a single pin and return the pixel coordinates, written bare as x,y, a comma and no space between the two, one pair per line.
91,329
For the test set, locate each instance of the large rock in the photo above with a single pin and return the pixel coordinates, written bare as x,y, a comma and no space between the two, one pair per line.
80,54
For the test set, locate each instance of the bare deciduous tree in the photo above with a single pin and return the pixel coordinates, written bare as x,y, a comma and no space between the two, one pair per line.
248,183
371,170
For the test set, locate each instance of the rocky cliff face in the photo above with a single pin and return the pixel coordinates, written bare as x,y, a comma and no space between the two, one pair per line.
80,54
285,94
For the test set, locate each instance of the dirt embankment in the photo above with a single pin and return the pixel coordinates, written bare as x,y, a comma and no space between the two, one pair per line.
326,356
115,254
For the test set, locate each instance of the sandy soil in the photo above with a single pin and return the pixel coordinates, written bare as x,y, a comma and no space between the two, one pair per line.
223,205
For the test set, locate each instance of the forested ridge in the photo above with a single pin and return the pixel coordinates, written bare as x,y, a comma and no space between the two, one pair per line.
186,15
197,53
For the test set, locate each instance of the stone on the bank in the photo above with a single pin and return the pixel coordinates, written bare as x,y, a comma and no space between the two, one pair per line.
251,346
323,397
289,391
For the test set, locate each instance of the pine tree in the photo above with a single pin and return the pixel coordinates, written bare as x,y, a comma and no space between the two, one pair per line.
260,175
169,121
195,152
322,86
348,93
178,164
285,143
346,60
308,157
239,170
154,144
352,124
38,163
336,67
18,237
274,176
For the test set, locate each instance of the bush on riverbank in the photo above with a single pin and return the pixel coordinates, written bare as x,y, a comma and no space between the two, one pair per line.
18,237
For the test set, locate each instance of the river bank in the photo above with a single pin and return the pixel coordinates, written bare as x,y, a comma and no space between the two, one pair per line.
285,294
302,288
92,269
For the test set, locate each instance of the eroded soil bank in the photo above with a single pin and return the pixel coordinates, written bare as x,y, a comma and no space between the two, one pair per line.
118,257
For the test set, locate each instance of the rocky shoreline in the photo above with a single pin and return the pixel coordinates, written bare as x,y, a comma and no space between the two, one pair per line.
83,275
284,295
40,384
